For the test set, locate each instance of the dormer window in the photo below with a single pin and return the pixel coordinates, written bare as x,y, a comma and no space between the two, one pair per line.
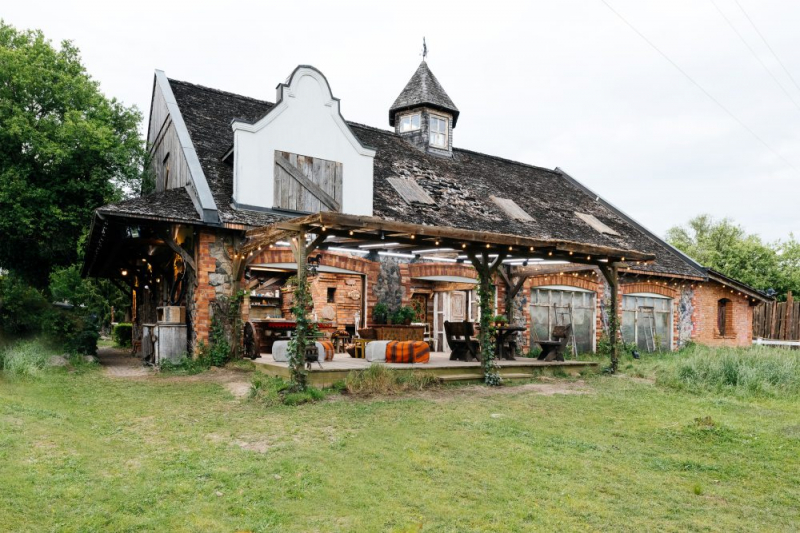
409,123
438,133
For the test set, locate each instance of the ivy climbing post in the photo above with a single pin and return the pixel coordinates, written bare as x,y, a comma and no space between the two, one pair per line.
611,275
486,268
302,301
301,309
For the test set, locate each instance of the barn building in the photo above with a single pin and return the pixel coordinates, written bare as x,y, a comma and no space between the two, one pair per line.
224,165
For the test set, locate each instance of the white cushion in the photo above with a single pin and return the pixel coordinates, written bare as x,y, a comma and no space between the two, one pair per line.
375,351
280,351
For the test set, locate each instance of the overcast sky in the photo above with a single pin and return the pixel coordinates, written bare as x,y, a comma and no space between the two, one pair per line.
564,84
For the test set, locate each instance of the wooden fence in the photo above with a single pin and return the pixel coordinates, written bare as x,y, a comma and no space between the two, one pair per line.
777,320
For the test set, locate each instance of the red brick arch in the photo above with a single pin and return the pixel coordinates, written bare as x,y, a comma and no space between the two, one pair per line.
418,270
581,282
355,264
631,288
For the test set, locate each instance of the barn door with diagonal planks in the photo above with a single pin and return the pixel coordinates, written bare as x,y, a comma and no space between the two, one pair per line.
309,184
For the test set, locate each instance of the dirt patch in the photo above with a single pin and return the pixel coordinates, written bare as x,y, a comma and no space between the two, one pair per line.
239,389
552,387
119,363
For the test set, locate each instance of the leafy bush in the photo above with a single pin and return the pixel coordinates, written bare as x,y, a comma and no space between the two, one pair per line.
377,379
755,371
380,313
271,390
22,307
186,366
74,330
123,334
219,348
25,358
404,314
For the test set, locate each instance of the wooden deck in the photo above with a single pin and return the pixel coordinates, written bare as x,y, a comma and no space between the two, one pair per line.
440,365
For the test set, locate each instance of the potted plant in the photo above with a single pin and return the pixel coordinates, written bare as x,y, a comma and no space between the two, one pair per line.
500,320
380,313
404,315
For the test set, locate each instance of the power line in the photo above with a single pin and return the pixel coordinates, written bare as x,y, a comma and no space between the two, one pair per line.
755,54
768,46
708,94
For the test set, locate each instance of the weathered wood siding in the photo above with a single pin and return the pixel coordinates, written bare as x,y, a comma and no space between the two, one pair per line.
777,320
289,193
166,156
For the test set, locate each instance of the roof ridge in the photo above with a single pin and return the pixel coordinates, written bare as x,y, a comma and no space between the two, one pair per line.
220,91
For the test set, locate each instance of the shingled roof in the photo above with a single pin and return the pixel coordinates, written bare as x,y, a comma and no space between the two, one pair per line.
462,187
423,89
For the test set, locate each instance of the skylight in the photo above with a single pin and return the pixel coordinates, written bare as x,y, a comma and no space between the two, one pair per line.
511,209
596,224
410,191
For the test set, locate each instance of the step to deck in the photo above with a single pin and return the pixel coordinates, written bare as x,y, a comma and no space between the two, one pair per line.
461,377
479,377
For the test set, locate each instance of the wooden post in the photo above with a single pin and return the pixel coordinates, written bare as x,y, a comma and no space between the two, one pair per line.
486,270
297,346
302,301
787,331
610,273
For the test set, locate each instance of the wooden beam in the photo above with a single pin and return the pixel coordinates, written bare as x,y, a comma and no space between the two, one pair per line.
178,249
312,187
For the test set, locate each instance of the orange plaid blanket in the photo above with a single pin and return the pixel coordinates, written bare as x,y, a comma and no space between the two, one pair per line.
408,352
328,346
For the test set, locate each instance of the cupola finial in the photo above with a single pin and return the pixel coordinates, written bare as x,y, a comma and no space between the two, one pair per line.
424,49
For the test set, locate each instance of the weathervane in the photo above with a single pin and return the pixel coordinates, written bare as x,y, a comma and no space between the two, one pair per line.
424,49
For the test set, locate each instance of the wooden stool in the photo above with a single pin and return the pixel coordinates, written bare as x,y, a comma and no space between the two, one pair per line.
360,345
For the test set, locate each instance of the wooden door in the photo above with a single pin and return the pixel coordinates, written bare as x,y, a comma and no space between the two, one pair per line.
458,306
308,184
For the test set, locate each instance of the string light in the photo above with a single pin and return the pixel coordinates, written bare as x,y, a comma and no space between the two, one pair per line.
351,233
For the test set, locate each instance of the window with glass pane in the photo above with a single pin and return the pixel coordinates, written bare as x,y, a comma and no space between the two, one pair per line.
438,133
636,325
551,307
409,123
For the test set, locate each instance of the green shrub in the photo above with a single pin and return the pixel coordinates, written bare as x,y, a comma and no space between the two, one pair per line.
74,330
123,334
753,371
22,307
25,358
378,379
271,390
404,314
186,366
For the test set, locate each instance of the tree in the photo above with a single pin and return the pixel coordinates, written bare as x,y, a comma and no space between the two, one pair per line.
726,247
65,149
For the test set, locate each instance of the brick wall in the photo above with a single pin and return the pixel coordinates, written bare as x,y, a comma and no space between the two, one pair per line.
213,278
707,296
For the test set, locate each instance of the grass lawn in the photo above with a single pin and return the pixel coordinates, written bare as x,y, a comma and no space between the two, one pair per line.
85,452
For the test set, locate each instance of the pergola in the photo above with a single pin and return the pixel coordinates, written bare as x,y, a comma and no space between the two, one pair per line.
486,251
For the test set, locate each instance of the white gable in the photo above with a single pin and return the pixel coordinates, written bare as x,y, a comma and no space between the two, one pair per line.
305,121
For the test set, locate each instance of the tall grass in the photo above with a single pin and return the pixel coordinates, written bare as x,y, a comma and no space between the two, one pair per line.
377,379
26,358
754,371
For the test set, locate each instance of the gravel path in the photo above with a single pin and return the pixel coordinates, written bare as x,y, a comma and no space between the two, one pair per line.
118,363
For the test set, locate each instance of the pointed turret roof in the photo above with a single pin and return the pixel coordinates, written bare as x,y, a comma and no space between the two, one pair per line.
423,89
